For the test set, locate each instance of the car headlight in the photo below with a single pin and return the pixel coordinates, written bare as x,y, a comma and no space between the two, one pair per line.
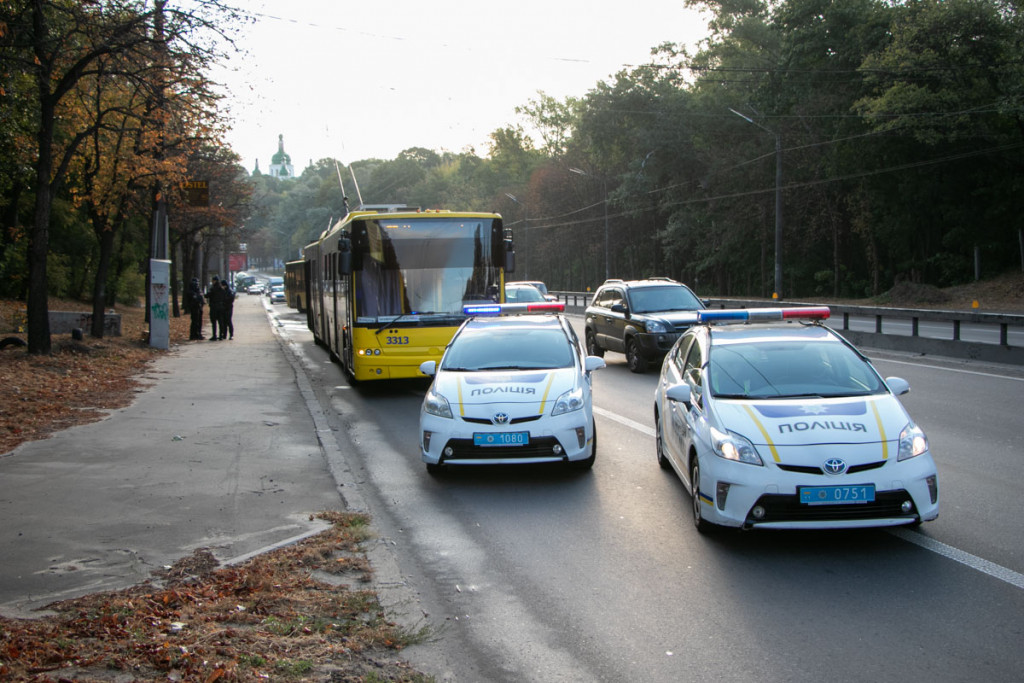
734,447
568,402
436,404
656,327
913,442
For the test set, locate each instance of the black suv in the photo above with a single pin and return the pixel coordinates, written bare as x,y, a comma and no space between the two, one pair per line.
640,318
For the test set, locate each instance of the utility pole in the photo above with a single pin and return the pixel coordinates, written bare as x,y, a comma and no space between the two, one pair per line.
777,294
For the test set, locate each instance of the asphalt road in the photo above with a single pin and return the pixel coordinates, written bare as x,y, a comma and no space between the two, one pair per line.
539,574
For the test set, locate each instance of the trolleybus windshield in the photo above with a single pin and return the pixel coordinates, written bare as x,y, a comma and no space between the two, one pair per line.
423,270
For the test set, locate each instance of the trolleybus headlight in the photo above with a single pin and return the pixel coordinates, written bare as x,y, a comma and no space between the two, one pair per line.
436,404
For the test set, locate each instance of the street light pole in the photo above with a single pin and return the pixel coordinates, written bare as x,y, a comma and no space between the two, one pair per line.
526,237
778,202
604,185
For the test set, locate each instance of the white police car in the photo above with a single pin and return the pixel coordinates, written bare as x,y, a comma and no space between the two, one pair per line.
785,425
510,389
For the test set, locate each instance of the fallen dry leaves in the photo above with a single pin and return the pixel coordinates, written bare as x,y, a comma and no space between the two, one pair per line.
78,382
280,616
284,615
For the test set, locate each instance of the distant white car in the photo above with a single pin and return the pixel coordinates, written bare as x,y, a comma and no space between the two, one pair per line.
277,294
785,425
539,285
512,389
255,289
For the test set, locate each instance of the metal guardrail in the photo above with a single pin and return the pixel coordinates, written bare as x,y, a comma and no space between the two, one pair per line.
954,346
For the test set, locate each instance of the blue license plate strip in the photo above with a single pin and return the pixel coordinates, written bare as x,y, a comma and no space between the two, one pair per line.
501,438
837,495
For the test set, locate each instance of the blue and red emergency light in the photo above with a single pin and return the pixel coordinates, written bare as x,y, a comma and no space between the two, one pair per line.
762,315
506,309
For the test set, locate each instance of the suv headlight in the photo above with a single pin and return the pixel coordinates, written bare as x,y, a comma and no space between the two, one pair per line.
568,402
734,447
913,442
656,327
436,404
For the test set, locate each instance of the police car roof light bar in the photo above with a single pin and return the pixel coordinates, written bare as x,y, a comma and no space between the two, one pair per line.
761,315
507,309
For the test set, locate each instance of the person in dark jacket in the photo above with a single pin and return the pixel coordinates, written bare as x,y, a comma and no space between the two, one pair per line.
194,304
226,325
215,297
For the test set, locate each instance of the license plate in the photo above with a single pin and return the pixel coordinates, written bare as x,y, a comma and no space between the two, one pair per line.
501,438
837,495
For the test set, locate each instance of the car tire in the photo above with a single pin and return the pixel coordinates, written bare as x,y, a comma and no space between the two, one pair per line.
659,444
703,526
634,360
587,463
592,348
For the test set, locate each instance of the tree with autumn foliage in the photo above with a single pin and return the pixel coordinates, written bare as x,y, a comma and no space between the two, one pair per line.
64,46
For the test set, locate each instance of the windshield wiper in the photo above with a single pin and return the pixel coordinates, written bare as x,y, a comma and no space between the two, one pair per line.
390,322
416,313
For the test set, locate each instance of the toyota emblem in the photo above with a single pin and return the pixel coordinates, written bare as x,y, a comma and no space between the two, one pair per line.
500,418
834,466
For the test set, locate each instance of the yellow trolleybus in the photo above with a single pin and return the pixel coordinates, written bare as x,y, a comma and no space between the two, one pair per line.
295,293
387,287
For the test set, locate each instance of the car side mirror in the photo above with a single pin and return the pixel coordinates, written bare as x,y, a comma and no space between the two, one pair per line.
591,363
898,385
428,367
680,393
620,308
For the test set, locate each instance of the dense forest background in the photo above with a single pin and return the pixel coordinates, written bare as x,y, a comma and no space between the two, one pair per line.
891,132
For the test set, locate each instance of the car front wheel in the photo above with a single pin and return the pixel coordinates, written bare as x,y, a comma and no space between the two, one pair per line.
587,463
659,444
592,348
634,360
702,524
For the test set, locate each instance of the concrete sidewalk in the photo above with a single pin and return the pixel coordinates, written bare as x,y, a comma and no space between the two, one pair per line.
219,451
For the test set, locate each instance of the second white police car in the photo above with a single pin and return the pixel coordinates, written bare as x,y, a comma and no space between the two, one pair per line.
772,420
510,389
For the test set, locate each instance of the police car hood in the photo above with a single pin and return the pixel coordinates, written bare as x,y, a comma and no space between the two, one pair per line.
803,422
533,390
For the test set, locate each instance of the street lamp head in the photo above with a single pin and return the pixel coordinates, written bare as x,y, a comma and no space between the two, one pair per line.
578,171
512,197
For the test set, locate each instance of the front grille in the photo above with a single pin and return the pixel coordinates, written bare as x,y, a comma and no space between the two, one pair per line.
513,421
808,469
539,447
785,508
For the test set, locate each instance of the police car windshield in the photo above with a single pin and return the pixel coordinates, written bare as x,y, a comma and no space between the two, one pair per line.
789,369
507,348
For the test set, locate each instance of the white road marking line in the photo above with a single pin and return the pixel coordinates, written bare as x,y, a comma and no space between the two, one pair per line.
939,367
643,429
974,562
984,566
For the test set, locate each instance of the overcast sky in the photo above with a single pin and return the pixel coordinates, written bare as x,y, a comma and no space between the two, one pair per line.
353,80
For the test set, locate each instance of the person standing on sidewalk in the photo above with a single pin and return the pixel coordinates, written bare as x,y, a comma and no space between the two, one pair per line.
194,303
215,297
226,325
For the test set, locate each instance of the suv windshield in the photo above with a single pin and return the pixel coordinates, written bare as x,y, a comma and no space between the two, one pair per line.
667,298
